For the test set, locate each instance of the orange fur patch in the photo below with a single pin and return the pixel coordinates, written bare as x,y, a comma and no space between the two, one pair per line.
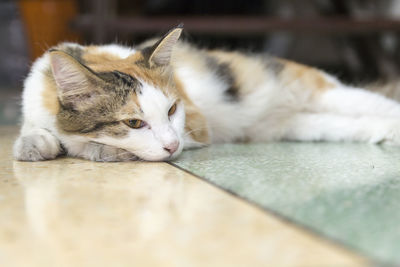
308,77
49,95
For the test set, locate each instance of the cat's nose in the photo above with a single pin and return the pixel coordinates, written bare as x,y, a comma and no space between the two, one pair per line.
172,147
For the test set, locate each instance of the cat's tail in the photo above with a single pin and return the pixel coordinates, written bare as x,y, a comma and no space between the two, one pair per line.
390,89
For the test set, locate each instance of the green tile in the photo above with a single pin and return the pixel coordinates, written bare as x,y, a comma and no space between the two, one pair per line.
348,192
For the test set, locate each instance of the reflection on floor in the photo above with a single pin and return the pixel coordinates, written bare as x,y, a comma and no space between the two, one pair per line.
348,192
71,212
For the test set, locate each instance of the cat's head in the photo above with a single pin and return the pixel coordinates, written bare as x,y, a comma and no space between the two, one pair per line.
131,103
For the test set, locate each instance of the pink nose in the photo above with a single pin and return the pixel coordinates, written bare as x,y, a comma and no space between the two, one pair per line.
171,147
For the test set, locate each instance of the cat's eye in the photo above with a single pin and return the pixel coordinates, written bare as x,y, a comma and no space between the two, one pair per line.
172,110
135,124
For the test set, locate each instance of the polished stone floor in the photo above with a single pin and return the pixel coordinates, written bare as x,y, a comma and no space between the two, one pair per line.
349,193
72,212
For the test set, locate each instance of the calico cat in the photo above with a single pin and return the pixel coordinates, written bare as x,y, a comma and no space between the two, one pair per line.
116,103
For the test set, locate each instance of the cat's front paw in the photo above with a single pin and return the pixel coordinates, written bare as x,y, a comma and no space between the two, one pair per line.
104,153
36,146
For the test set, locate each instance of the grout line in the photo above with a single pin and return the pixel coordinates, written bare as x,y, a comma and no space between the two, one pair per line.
293,223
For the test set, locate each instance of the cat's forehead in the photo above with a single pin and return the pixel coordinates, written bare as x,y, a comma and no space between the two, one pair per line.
100,59
146,102
152,99
155,86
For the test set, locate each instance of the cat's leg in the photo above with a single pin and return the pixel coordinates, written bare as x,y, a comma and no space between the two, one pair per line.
336,127
355,102
346,114
98,152
35,145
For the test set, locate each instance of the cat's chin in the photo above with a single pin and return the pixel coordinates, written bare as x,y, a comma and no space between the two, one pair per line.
160,159
153,158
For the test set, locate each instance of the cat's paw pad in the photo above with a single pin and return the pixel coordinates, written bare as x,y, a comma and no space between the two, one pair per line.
36,147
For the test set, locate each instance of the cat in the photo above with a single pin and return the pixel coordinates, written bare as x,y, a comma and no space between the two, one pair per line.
117,103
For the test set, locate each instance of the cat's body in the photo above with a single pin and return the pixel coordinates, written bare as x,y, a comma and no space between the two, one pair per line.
112,103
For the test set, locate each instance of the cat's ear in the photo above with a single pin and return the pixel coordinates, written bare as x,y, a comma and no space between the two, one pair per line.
78,86
160,53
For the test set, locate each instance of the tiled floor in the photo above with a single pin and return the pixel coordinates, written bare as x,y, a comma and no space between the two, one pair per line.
71,212
347,192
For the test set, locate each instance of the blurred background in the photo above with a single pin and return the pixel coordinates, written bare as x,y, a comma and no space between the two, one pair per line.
356,40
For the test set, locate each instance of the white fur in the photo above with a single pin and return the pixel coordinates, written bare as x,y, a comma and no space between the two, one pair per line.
34,114
117,50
